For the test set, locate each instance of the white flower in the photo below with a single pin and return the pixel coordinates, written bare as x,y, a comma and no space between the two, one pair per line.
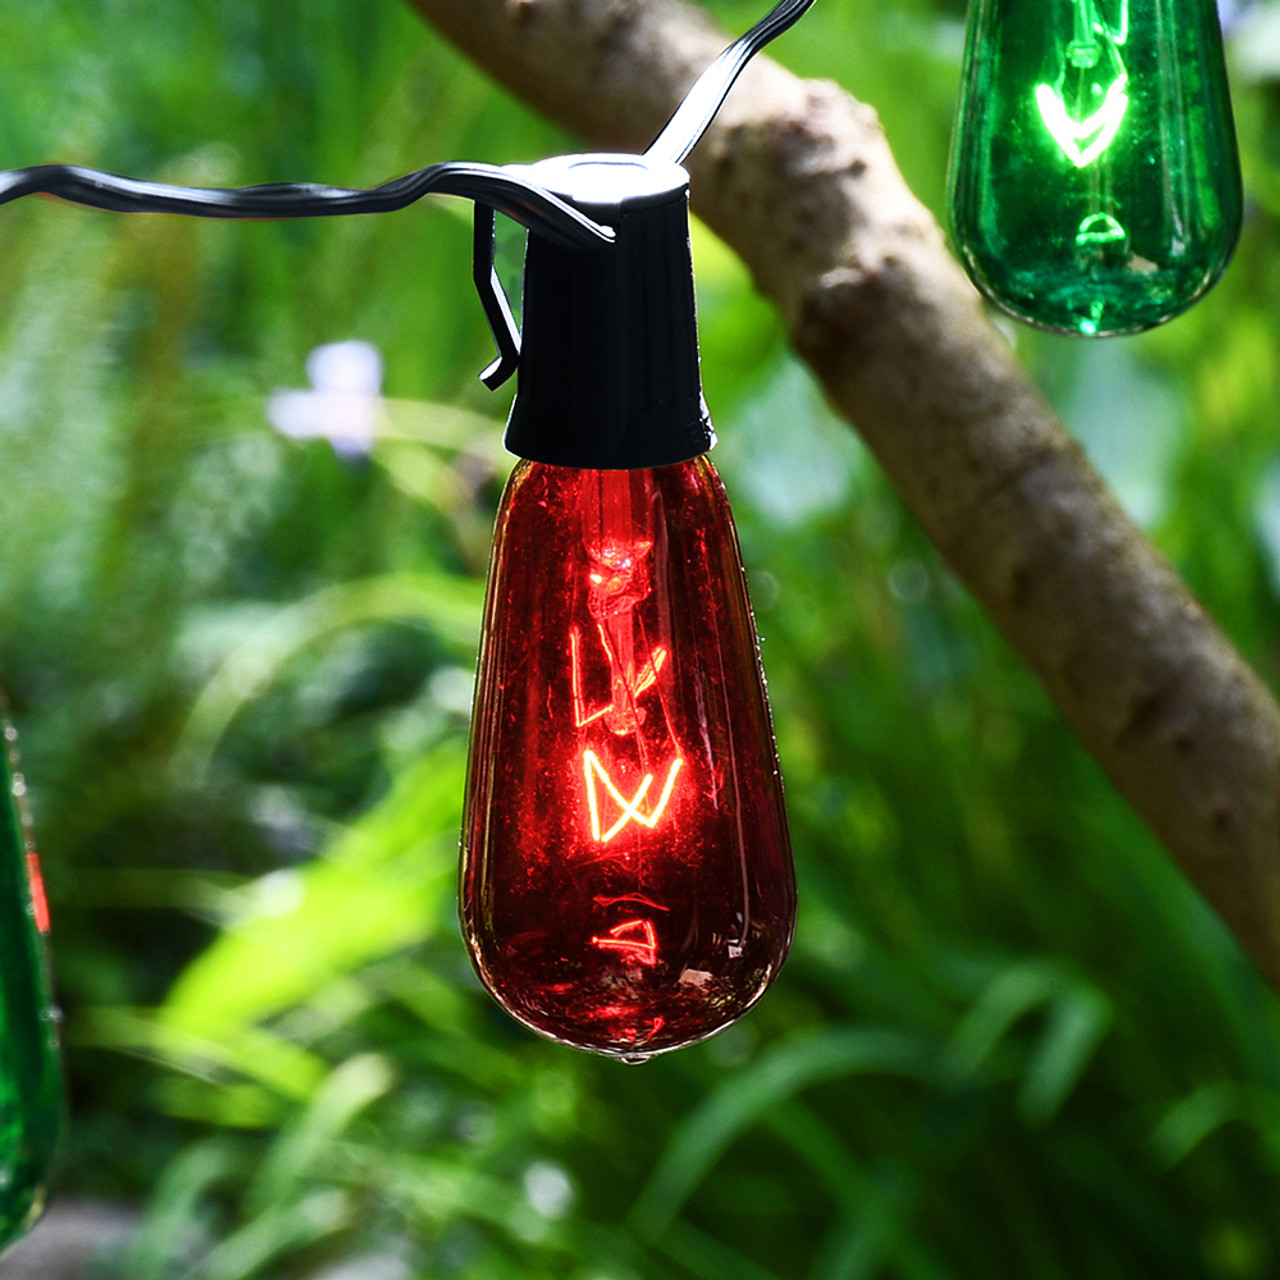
344,404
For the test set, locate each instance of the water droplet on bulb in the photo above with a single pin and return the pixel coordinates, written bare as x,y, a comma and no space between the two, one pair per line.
635,1059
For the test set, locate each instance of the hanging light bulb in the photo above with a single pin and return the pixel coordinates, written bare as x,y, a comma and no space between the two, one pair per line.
1095,182
627,877
30,1074
627,884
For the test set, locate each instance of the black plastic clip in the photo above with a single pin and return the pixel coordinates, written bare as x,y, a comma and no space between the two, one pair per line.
497,309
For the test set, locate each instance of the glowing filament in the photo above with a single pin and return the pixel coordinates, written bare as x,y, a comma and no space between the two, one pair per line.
1100,228
635,683
1093,55
636,939
1070,134
593,770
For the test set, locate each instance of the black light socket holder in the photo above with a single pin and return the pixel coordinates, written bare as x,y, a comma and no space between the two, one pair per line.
609,375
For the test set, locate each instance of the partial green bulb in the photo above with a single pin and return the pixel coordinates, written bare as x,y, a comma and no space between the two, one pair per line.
1095,181
30,1072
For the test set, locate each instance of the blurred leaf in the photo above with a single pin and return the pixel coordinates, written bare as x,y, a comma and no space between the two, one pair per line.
1076,1024
307,1142
864,1239
280,1230
289,1069
451,605
166,1237
1201,1113
806,1059
379,888
224,1104
1077,1016
709,1258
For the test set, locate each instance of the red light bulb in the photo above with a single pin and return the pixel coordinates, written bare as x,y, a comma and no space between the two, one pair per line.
627,884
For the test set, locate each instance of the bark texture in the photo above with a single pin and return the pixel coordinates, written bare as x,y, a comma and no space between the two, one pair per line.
798,178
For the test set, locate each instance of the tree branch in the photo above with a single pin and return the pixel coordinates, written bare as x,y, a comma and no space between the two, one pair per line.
798,178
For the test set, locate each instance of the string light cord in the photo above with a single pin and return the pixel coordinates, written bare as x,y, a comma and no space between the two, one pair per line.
521,200
490,187
524,202
693,116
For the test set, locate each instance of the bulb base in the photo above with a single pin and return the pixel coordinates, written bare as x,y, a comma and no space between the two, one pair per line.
609,370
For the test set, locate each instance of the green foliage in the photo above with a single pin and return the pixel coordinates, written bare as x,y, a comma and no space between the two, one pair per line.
1010,1040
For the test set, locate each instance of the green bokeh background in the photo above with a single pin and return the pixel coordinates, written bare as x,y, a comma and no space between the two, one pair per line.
1010,1041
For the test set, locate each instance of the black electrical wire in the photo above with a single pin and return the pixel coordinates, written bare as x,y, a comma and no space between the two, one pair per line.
487,185
684,130
525,203
490,187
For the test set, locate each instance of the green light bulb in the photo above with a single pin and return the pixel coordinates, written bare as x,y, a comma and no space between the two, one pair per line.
1095,182
30,1072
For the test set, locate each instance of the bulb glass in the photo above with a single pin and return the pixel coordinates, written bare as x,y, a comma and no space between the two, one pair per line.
1095,185
627,884
30,1074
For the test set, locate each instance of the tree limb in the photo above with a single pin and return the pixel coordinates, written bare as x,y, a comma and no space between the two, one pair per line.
798,178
